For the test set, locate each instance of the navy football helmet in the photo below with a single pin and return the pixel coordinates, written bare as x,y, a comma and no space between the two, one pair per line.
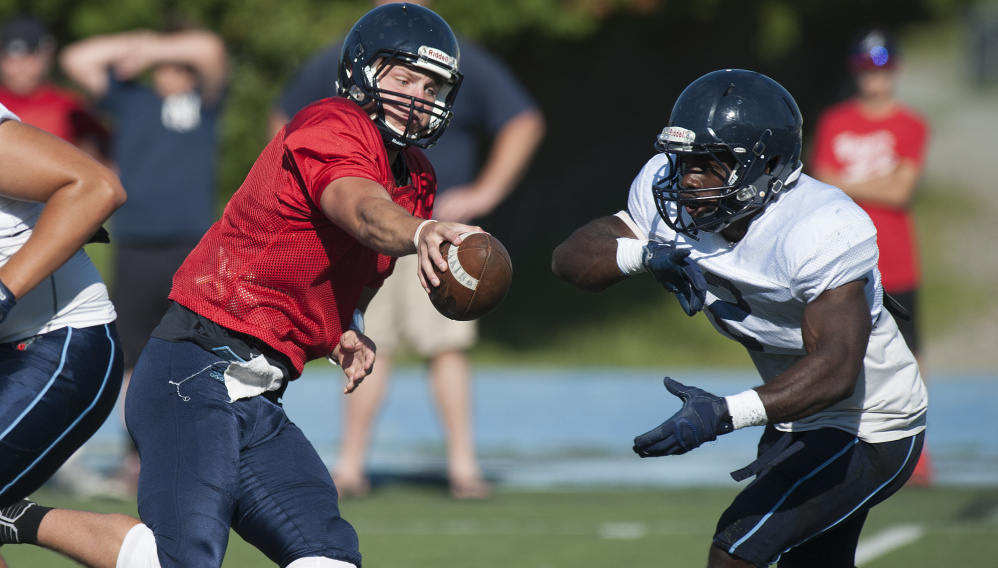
415,36
750,125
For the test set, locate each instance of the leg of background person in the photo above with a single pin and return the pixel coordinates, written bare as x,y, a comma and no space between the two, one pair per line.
92,539
141,297
360,409
450,375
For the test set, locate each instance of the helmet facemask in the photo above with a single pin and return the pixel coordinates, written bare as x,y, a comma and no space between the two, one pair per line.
752,179
739,118
407,127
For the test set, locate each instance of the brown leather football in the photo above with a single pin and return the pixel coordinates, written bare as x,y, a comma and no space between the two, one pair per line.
478,277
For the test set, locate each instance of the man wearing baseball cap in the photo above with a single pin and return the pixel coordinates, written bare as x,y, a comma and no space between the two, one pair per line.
27,49
873,147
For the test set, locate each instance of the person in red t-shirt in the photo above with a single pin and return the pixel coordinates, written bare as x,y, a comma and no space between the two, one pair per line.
281,279
26,53
873,146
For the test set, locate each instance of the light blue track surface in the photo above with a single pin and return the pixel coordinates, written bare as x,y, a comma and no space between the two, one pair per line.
548,428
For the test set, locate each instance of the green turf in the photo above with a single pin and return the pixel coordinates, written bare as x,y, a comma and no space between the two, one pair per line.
411,526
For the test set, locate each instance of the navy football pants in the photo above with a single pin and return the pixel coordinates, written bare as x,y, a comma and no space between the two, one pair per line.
809,505
56,390
208,464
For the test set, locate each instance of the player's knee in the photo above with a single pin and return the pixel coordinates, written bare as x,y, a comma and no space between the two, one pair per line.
319,562
138,549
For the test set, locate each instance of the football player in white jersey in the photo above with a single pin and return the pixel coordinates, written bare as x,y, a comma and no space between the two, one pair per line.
60,359
787,266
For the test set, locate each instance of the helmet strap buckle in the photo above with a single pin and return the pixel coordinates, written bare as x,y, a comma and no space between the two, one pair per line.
746,193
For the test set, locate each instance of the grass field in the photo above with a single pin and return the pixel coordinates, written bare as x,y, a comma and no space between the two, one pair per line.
409,526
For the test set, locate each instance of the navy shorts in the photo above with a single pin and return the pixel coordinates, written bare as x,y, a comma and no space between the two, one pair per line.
807,506
208,465
143,279
56,390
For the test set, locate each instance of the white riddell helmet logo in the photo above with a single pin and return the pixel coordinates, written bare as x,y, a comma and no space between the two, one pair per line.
676,134
436,55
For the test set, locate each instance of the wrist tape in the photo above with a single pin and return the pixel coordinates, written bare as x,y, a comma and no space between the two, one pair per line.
419,229
631,255
746,409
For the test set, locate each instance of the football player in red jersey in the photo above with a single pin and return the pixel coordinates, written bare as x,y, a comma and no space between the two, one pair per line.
281,279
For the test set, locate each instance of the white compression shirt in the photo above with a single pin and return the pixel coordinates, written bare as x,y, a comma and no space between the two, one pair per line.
73,296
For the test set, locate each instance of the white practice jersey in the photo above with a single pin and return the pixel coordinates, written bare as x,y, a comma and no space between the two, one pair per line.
812,238
73,296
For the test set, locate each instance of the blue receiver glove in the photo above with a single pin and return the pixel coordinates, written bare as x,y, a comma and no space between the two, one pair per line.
703,418
677,274
6,302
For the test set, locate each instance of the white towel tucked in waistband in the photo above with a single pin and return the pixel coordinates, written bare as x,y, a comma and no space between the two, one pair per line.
245,380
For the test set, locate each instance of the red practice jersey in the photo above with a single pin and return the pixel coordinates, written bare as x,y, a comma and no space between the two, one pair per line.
859,149
274,266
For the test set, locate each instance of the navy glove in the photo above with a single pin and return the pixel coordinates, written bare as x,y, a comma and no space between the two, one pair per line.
703,418
6,302
677,274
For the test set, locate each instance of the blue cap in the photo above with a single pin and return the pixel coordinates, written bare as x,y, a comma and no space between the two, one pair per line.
874,50
22,35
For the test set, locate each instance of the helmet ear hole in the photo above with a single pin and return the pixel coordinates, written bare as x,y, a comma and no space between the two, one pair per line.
772,164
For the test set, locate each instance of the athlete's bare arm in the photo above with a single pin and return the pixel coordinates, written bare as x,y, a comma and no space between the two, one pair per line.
588,258
79,195
365,210
836,331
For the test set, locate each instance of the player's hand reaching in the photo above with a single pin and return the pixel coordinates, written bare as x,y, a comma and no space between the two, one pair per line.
703,418
428,238
677,274
355,354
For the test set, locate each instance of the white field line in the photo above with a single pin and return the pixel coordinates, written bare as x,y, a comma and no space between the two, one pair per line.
889,539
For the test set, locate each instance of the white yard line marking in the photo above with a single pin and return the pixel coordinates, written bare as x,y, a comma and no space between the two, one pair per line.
890,539
623,531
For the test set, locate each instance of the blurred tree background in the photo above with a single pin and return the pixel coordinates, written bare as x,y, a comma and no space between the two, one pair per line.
605,73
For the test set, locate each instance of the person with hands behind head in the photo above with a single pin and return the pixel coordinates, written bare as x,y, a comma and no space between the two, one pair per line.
60,356
163,93
789,270
27,53
281,279
165,142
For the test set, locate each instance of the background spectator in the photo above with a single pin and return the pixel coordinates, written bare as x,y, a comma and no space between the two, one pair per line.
165,145
492,107
28,51
872,146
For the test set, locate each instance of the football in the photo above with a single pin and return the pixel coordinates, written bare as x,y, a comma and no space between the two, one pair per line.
478,276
